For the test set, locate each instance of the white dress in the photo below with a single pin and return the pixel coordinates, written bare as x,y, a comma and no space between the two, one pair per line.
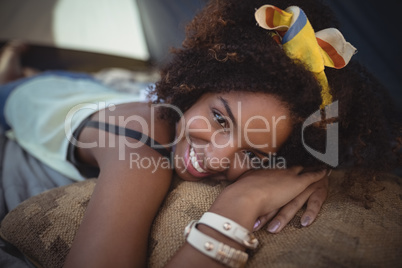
44,112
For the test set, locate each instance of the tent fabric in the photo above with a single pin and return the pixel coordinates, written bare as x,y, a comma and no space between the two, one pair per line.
371,27
92,25
164,24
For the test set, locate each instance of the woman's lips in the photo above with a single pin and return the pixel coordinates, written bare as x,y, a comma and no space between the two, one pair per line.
193,164
194,161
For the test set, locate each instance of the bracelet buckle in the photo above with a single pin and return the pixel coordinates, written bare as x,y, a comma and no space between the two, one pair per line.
188,228
252,242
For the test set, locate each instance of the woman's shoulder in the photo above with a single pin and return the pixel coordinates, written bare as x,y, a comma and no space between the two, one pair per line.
134,122
127,129
142,117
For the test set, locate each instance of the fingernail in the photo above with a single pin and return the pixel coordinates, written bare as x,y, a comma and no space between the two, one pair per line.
273,226
257,224
305,221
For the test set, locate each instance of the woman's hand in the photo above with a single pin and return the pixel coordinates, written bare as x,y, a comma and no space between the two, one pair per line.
261,193
314,196
256,193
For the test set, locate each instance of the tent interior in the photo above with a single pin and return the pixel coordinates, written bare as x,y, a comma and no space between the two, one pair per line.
96,34
137,34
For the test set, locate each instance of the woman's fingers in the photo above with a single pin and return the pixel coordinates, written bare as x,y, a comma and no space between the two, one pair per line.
308,178
261,221
288,212
314,203
265,191
296,169
316,194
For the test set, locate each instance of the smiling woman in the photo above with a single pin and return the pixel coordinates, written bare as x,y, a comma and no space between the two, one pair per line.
235,97
224,133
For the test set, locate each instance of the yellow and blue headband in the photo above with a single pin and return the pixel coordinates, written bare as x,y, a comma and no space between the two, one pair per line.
294,32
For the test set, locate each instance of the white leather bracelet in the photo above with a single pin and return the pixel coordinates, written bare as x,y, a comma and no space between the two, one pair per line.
224,254
229,228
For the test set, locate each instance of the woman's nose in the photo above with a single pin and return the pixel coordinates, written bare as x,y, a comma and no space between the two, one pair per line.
219,158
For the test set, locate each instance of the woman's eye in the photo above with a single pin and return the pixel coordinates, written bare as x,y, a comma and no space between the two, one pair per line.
220,119
255,161
251,155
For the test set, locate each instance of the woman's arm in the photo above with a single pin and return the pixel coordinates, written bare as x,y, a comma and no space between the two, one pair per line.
116,225
252,196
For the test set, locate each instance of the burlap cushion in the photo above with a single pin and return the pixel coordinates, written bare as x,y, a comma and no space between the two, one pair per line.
345,234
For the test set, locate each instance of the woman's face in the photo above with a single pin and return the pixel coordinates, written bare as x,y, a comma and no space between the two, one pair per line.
223,135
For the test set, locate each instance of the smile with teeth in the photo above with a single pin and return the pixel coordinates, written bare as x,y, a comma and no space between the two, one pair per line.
194,161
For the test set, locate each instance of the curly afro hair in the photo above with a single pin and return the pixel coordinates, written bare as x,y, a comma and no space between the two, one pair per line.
225,50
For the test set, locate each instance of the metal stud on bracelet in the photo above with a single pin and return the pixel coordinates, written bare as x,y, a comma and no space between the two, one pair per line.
230,228
224,254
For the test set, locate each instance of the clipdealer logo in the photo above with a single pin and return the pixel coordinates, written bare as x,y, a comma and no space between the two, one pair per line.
330,156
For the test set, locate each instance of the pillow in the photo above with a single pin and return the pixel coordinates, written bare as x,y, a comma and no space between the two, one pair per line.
345,233
43,227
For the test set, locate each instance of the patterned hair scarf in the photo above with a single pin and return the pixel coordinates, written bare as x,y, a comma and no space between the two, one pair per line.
294,32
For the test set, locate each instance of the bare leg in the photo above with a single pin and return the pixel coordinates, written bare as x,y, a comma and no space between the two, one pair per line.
10,64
